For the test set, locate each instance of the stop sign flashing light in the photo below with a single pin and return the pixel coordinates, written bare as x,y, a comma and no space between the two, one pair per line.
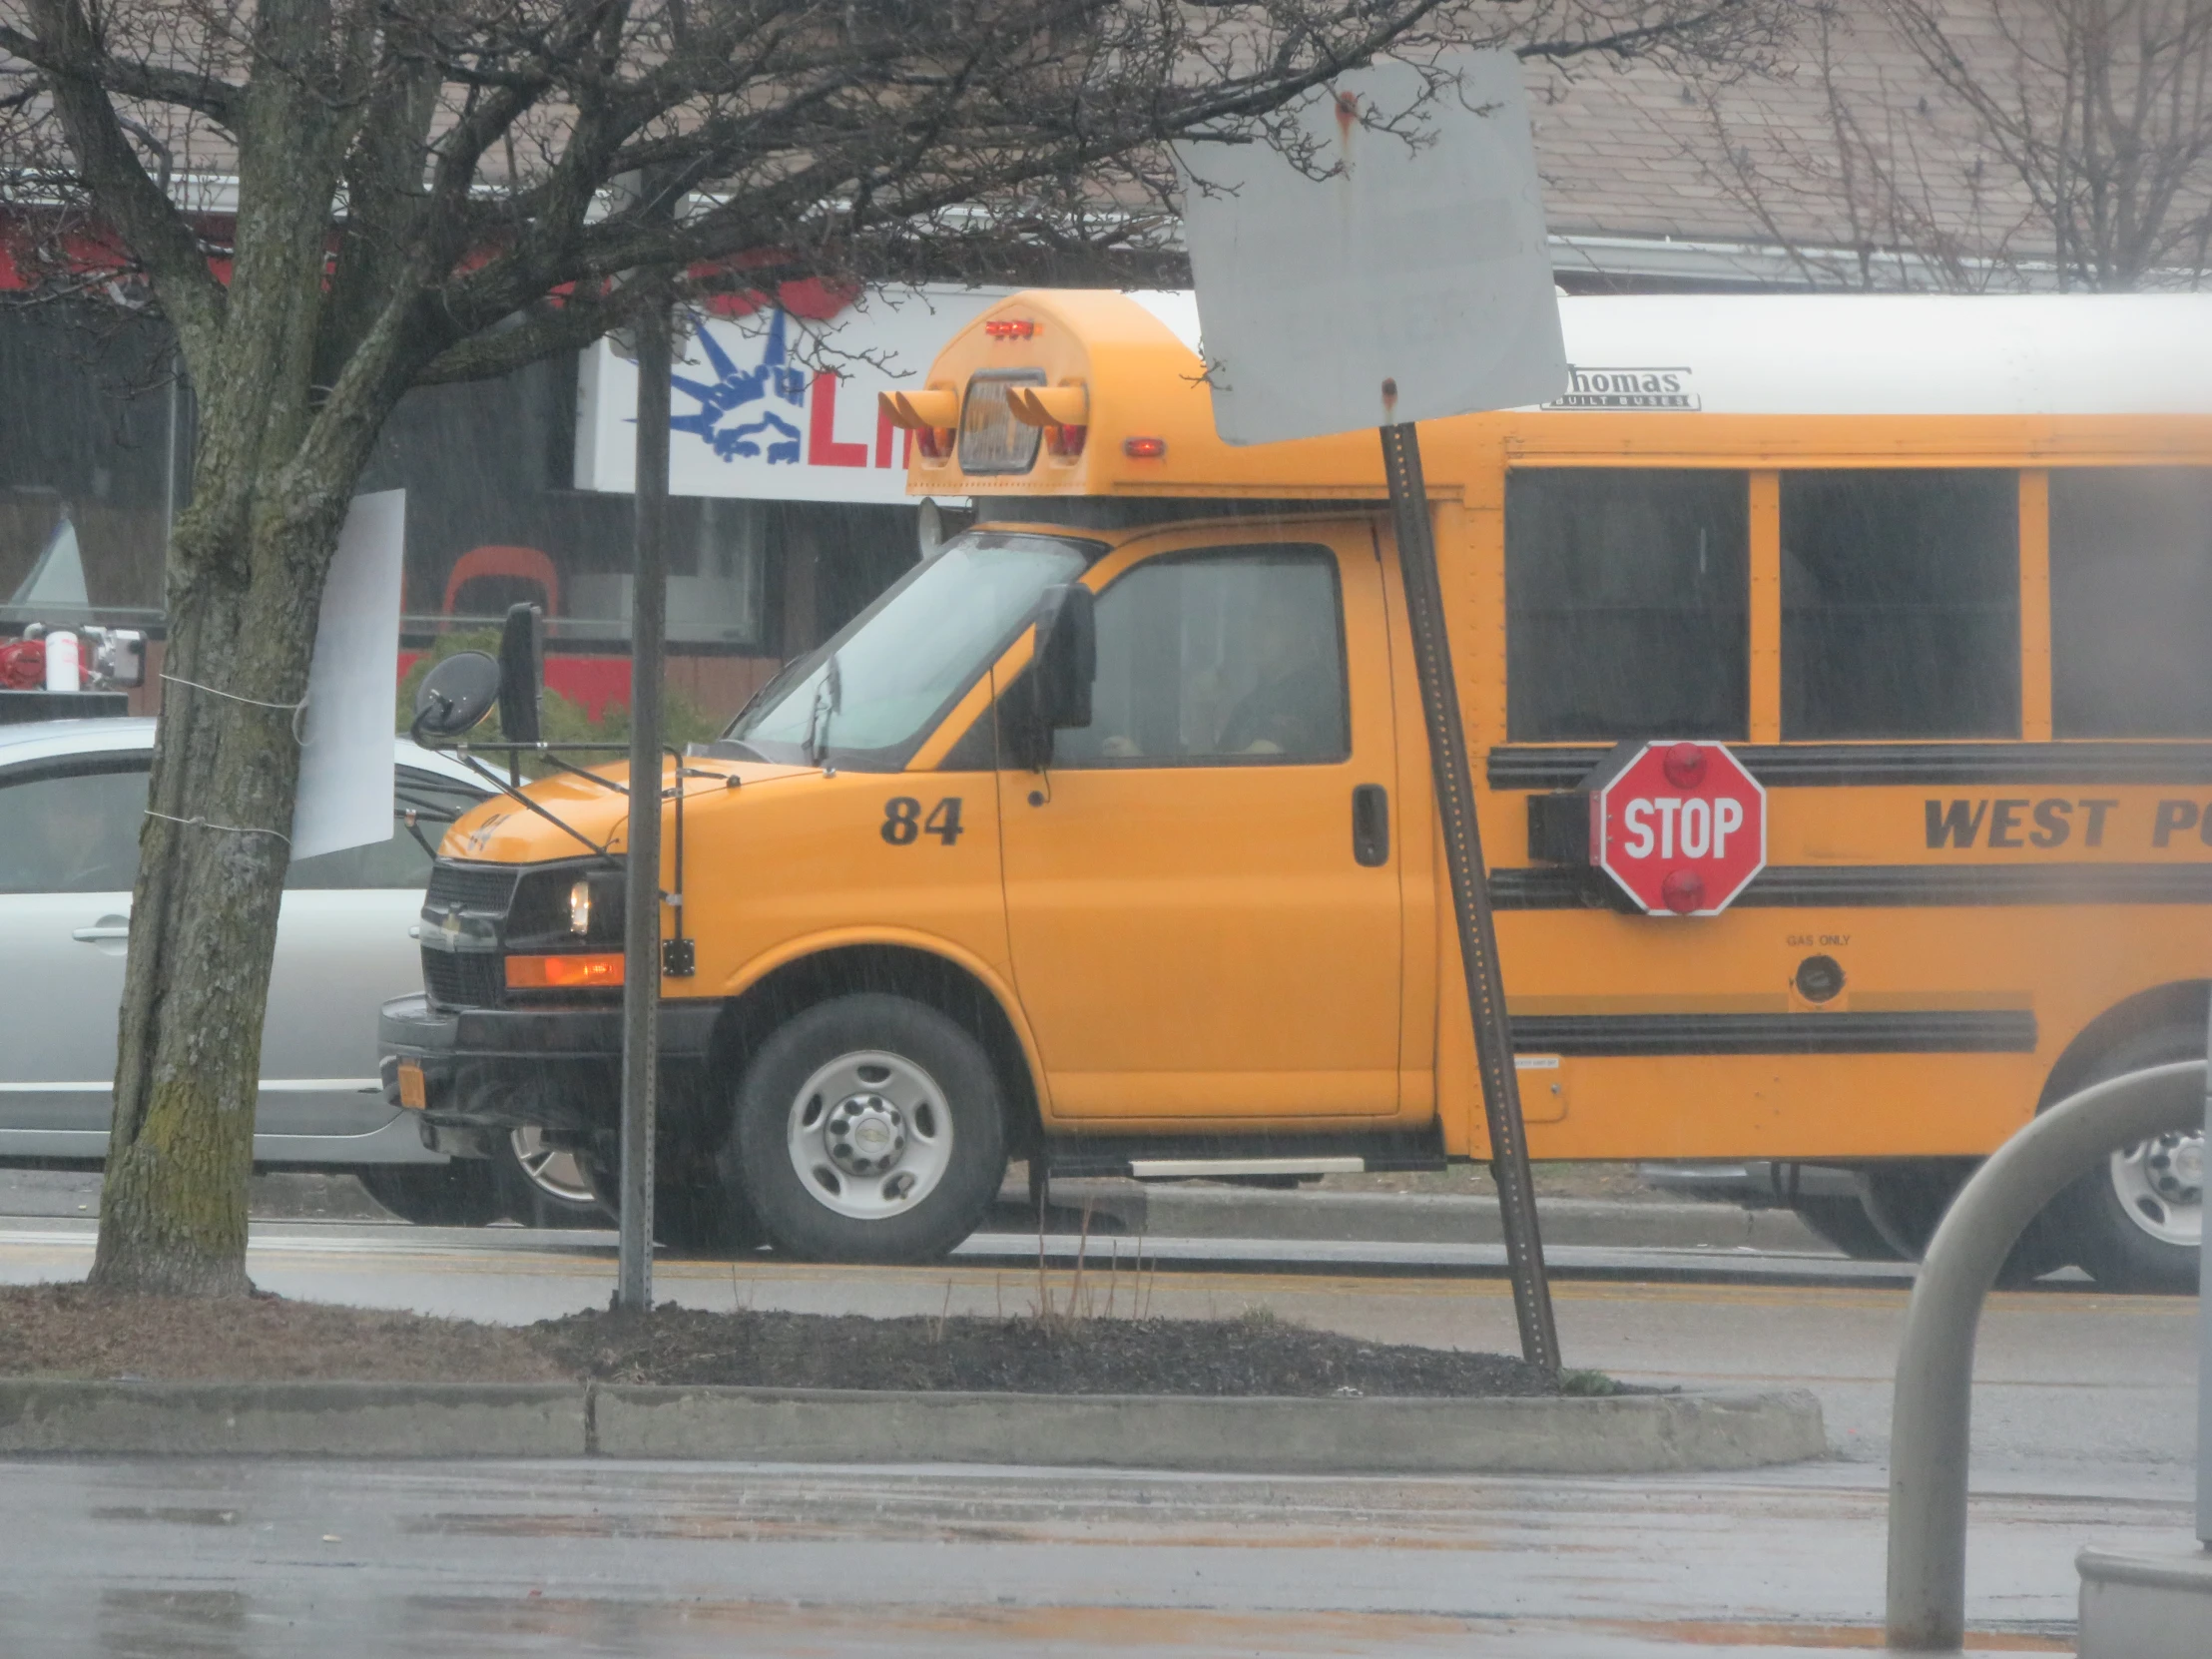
1680,826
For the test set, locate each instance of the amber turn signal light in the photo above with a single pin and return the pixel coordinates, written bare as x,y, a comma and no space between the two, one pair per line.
561,973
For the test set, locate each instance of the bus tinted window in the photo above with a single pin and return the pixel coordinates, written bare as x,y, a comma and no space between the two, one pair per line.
2131,602
1626,604
1900,604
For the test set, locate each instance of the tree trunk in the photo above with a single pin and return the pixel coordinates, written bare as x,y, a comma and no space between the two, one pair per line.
213,855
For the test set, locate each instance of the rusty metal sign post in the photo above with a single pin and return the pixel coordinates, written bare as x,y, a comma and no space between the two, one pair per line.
1400,266
1471,894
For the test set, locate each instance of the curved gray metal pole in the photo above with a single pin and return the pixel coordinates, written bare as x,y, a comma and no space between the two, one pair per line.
1930,1423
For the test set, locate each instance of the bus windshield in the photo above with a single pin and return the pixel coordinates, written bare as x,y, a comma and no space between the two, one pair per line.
867,696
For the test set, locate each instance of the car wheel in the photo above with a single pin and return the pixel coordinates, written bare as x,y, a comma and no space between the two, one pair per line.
868,1129
464,1191
2136,1221
543,1185
1844,1223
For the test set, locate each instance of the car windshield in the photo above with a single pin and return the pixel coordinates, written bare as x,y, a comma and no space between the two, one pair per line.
870,693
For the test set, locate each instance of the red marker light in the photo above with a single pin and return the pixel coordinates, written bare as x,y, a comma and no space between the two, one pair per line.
1683,890
1144,450
1010,327
1684,766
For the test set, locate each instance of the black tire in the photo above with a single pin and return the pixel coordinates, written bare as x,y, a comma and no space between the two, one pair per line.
1844,1223
1906,1200
543,1200
2090,1220
694,1213
460,1193
923,1050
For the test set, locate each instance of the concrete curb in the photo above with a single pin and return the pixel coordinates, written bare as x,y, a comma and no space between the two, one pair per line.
1200,1212
1624,1434
316,1419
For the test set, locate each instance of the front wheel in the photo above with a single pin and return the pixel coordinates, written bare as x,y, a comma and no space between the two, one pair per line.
2136,1221
868,1129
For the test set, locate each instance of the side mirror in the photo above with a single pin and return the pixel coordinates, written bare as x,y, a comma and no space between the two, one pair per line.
522,674
455,696
1055,693
1067,657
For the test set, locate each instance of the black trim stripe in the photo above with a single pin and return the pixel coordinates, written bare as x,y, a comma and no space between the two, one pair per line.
1971,1031
1834,765
1864,886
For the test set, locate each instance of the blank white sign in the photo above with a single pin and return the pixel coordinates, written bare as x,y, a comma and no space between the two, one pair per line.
1424,265
346,764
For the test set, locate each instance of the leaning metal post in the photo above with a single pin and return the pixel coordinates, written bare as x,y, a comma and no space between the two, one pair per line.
1471,896
1930,1423
641,945
2204,1351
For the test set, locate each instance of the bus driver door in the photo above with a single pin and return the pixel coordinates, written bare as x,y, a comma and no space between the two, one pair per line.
1202,889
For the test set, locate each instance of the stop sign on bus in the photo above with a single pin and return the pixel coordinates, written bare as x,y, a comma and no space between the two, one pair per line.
1681,826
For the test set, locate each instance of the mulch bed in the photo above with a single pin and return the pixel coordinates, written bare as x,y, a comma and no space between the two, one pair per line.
1024,1356
70,1330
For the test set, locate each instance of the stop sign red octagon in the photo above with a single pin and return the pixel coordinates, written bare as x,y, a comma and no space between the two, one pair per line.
1682,827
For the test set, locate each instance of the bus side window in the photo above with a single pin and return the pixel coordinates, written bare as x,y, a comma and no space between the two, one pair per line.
1218,659
1627,596
2131,602
1900,603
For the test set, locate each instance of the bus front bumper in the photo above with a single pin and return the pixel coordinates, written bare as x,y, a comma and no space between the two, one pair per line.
470,1074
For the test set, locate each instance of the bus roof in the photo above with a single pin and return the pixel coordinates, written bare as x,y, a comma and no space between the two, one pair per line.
1666,371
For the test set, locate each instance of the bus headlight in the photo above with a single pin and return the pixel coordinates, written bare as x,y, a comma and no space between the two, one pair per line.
579,907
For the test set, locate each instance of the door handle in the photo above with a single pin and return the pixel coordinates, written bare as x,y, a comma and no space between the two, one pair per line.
1371,824
107,927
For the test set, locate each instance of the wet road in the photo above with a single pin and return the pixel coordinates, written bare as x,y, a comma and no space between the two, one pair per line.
189,1560
2084,1413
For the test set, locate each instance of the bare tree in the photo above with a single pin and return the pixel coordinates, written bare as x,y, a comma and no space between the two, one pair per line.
422,195
1971,144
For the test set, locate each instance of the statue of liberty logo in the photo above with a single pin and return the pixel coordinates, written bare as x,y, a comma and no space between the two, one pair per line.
720,401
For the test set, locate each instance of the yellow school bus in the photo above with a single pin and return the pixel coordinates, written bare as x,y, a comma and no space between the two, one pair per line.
1105,837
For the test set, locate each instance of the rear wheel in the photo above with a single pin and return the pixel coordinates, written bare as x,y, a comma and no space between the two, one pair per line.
1844,1223
1906,1202
460,1193
868,1129
2136,1221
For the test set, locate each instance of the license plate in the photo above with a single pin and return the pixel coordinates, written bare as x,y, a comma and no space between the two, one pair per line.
411,1092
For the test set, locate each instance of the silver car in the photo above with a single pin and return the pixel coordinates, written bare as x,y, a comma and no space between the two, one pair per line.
72,796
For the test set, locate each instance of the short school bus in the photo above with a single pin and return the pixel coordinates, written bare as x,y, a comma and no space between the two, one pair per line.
1146,879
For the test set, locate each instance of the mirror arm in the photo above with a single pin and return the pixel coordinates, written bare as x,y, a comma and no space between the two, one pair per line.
501,784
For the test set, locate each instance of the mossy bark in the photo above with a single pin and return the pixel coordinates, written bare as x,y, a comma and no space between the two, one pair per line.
289,408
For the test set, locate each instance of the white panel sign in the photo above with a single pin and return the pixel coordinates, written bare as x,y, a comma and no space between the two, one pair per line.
775,408
346,762
1420,264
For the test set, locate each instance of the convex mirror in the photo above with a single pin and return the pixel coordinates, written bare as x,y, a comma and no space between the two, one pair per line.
457,695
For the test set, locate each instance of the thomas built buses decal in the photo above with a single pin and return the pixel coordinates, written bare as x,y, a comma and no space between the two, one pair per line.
1626,388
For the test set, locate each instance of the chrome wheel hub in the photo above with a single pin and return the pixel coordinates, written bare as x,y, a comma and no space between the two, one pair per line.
870,1134
2160,1184
553,1171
